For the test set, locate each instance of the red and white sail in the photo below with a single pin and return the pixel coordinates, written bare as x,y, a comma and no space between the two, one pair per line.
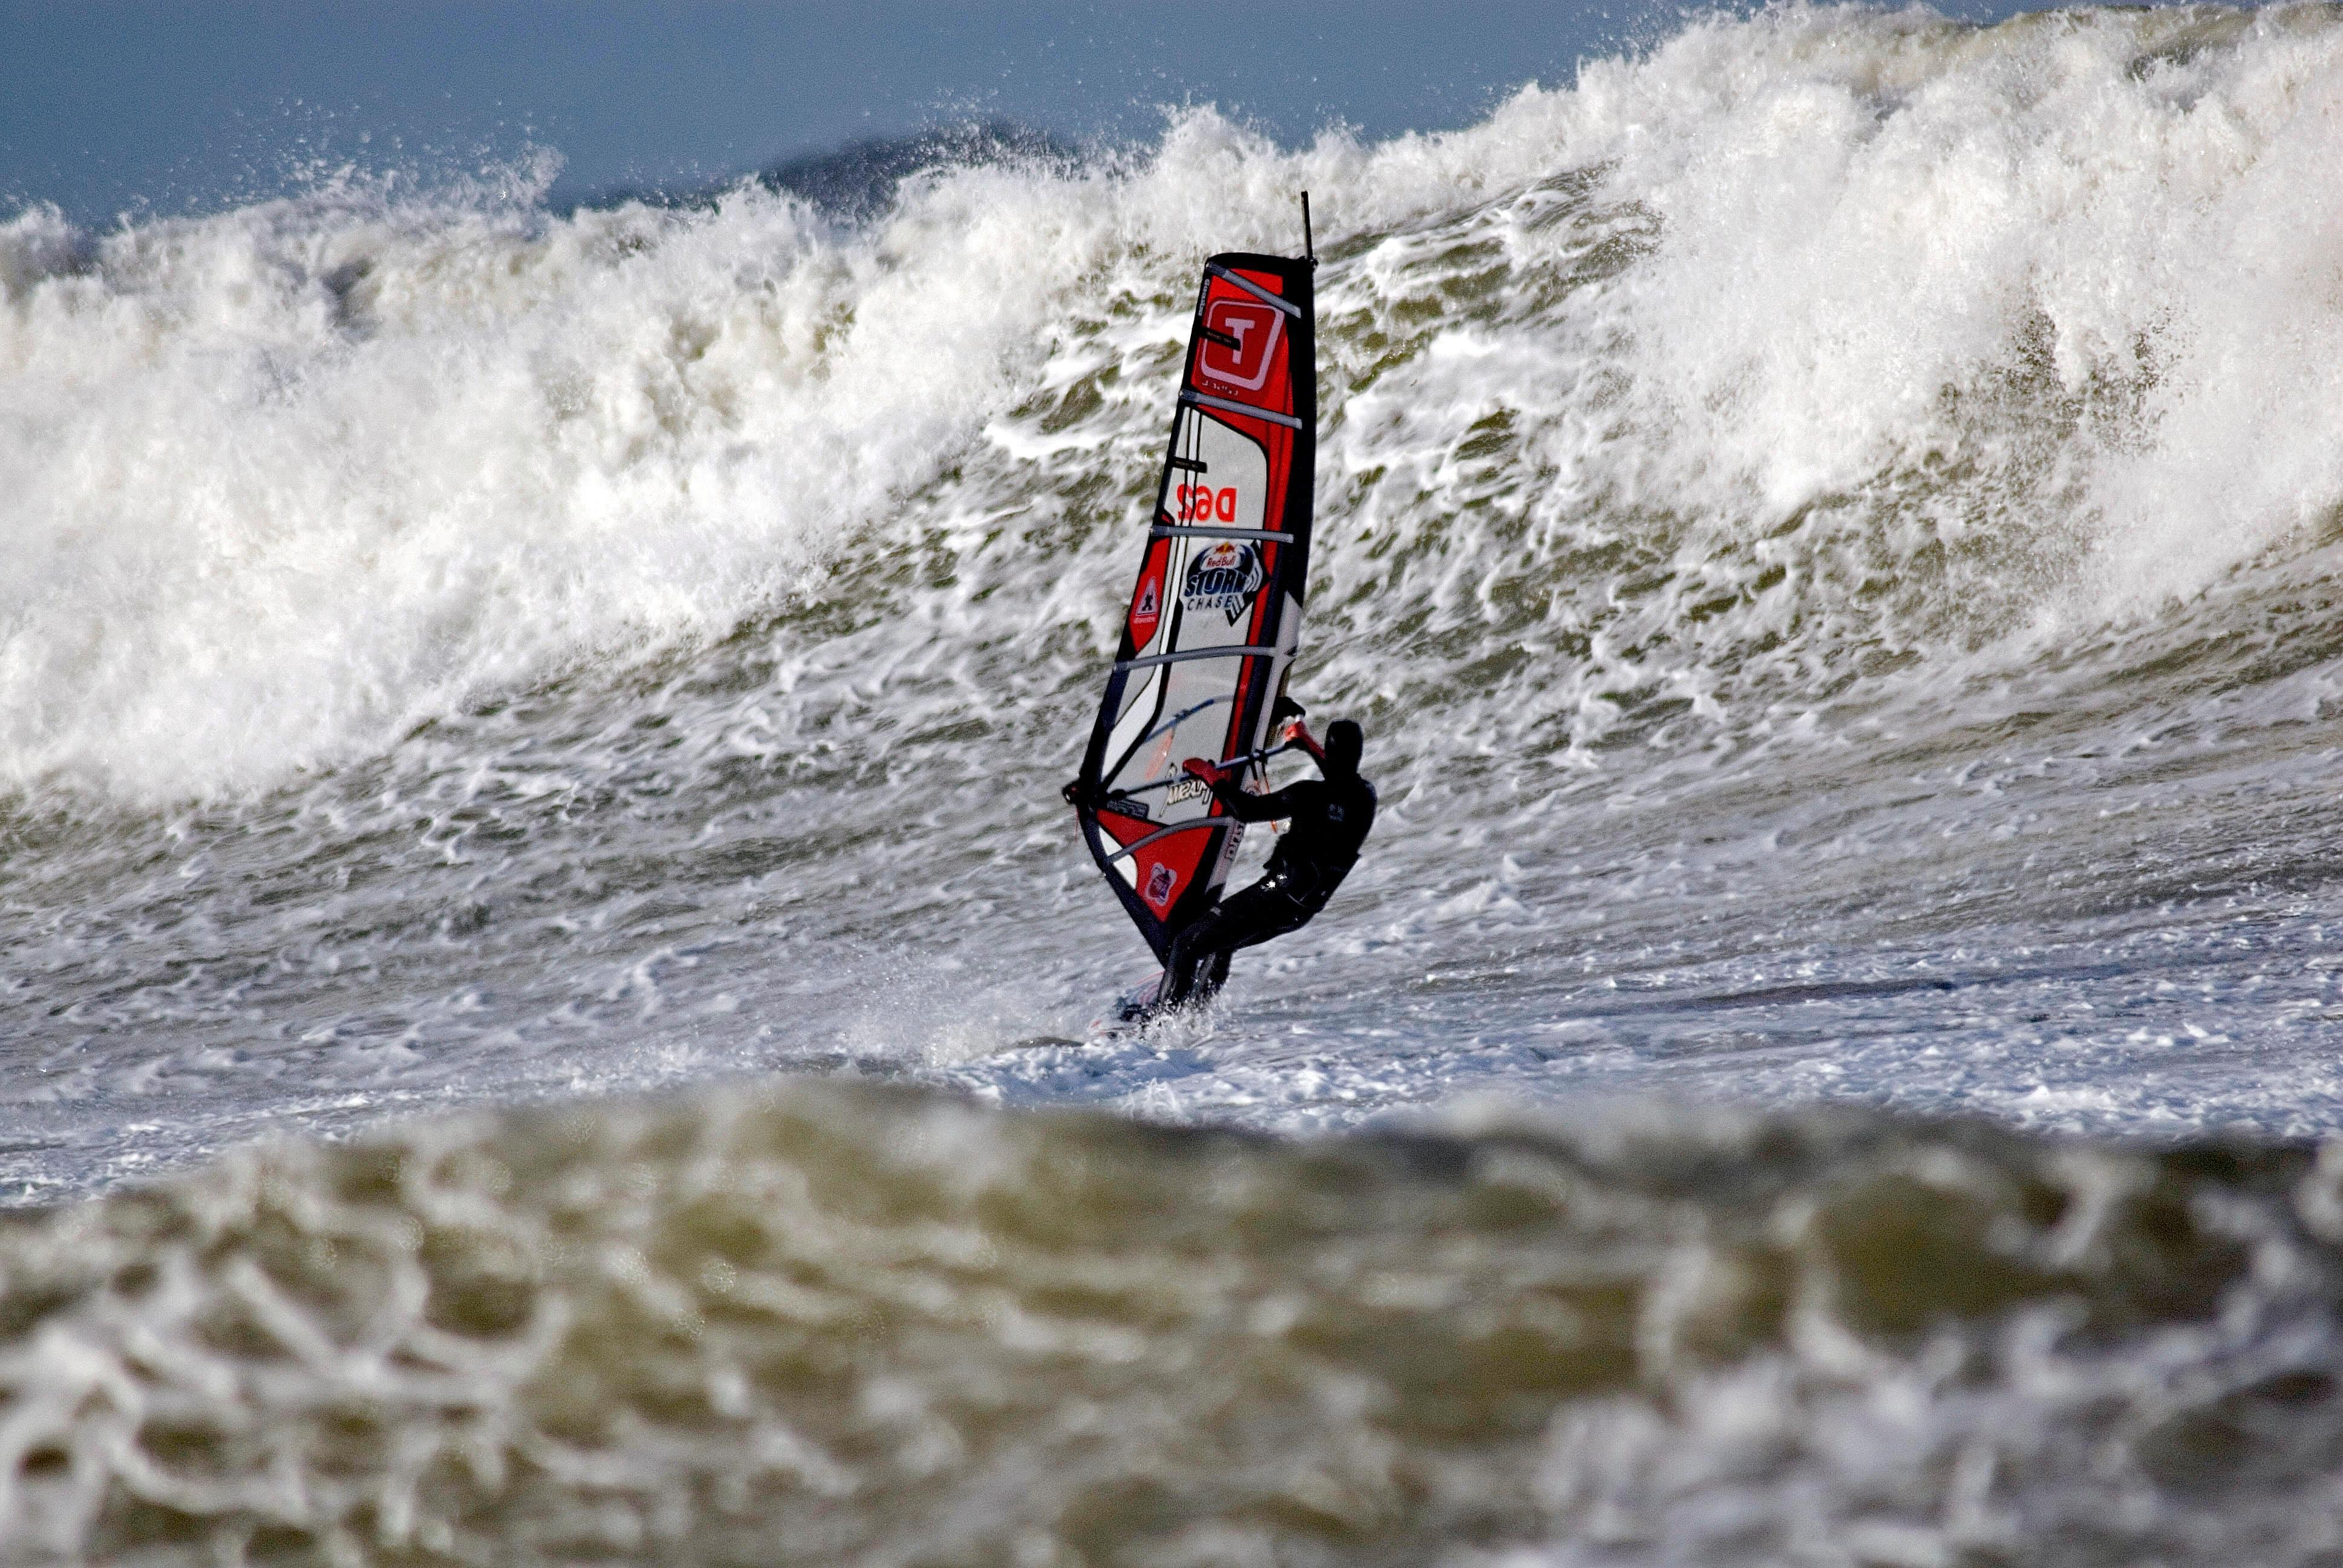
1211,623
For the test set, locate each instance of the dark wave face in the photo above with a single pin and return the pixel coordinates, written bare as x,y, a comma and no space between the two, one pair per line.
812,1323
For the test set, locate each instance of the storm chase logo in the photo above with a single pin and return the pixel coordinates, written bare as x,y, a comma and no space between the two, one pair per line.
1224,578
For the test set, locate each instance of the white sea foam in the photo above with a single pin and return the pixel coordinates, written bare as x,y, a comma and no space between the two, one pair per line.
285,482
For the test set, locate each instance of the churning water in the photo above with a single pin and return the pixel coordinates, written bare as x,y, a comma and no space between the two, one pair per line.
1832,528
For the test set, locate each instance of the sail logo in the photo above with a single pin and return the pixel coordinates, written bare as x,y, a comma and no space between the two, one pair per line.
1256,329
1147,609
1224,578
1203,503
1161,880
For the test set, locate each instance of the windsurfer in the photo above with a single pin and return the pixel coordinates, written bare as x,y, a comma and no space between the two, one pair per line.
1329,821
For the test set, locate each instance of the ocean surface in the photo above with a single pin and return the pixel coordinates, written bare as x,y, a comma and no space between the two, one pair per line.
547,1002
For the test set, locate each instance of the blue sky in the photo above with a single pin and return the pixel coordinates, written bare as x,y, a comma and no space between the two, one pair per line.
114,106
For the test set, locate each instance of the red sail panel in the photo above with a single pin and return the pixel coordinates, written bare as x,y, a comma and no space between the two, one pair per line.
1210,626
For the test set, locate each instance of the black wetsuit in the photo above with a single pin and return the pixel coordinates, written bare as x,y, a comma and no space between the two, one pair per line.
1330,821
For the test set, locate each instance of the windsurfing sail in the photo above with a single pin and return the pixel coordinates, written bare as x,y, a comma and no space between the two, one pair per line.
1210,629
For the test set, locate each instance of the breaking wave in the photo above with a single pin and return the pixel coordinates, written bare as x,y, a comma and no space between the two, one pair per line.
1799,352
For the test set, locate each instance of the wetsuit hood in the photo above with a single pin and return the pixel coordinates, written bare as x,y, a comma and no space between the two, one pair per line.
1344,742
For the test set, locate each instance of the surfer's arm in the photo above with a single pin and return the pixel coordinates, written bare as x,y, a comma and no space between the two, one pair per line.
1247,808
1299,733
1229,790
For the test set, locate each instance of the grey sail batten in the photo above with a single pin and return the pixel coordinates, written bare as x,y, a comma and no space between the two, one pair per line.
1230,405
1253,288
1189,655
1170,531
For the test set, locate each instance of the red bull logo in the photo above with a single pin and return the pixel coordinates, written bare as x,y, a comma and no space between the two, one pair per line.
1225,578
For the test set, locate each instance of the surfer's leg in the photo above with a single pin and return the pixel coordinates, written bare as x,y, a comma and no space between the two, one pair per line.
1210,974
1191,946
1199,955
1192,950
1204,977
1199,960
